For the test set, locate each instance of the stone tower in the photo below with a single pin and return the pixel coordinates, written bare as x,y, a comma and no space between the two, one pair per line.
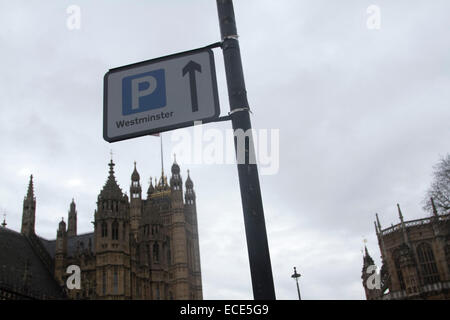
154,236
61,252
112,230
369,276
29,210
135,202
72,226
190,209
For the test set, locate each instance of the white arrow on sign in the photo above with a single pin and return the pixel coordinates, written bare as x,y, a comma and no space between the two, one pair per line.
160,95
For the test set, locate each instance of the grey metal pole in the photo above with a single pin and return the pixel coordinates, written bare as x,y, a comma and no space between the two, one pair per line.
298,291
296,276
255,227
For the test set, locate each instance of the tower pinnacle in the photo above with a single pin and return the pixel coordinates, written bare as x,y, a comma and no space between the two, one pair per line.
400,213
30,192
29,210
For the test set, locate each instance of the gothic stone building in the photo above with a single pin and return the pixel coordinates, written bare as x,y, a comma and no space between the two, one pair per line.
415,259
140,248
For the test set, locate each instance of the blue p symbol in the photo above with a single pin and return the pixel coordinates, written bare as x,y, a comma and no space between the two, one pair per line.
142,92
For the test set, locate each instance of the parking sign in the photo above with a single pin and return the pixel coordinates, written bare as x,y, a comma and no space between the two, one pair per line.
160,95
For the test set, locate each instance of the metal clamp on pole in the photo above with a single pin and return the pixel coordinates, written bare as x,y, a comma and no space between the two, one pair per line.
239,110
231,36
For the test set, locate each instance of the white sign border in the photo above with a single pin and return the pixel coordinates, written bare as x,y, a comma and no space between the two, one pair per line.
166,128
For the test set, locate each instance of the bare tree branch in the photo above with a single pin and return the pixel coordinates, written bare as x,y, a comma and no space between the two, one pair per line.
440,187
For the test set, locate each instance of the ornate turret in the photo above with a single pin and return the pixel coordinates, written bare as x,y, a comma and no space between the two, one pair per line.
60,251
135,175
176,185
367,259
189,183
111,200
369,276
72,226
112,237
190,194
175,181
135,202
135,188
111,189
162,183
151,188
61,230
175,166
29,210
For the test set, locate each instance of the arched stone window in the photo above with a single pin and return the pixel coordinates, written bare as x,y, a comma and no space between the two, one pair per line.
147,254
158,295
104,229
169,252
115,281
428,269
104,281
155,252
115,230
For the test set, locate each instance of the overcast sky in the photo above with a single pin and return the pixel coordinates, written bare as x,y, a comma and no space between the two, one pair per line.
363,115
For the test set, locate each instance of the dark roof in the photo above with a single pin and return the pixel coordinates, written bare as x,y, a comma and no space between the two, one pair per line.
18,261
79,241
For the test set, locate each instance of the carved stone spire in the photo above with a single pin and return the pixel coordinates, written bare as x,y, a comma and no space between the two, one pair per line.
111,189
30,192
29,210
378,222
400,213
72,220
405,235
135,175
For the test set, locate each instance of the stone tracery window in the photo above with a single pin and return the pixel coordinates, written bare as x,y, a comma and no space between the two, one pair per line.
104,281
428,268
115,230
169,252
116,280
104,229
155,252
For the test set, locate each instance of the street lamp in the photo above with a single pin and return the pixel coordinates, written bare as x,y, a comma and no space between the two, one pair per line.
296,276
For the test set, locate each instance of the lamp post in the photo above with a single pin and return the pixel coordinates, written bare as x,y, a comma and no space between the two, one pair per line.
296,276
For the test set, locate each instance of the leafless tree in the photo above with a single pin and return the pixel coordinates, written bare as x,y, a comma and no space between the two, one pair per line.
440,187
